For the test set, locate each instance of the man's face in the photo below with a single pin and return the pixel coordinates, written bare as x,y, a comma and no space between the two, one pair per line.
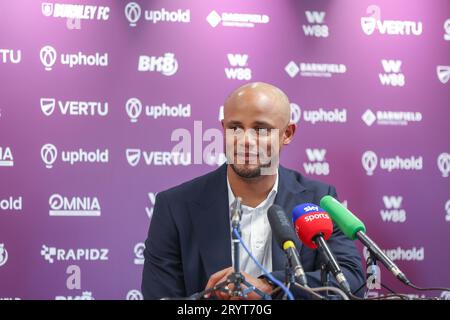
254,133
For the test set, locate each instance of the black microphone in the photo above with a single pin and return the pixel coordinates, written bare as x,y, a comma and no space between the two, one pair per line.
284,235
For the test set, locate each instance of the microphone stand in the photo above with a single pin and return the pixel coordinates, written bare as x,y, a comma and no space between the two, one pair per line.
237,278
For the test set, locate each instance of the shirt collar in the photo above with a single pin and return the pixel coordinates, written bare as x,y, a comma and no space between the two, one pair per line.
271,194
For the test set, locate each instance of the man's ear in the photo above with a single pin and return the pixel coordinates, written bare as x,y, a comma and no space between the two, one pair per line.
288,134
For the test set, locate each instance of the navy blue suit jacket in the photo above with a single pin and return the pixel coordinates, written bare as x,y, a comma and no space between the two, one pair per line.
189,236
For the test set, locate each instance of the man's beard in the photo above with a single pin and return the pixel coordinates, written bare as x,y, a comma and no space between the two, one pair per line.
247,173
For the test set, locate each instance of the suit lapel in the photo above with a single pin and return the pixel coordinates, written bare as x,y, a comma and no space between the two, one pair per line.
211,223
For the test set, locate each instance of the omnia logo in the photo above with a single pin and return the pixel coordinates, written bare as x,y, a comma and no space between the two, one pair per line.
316,164
393,211
49,154
392,76
316,26
6,157
52,254
388,27
74,207
157,158
48,57
239,69
166,65
73,108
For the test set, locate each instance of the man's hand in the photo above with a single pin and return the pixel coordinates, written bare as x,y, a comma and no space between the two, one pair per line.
222,276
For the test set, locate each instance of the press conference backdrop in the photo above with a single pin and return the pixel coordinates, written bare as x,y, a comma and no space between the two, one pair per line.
94,96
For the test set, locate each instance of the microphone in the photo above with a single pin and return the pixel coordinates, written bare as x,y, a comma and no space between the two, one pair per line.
314,227
284,235
353,228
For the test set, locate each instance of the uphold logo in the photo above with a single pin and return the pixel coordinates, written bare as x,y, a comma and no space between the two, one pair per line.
443,163
48,57
134,109
3,254
134,295
74,207
139,253
49,154
370,160
447,210
443,73
133,13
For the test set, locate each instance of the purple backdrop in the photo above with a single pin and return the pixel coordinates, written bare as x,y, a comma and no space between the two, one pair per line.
91,92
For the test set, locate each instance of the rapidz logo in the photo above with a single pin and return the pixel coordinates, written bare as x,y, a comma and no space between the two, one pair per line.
443,163
49,154
133,156
393,211
48,57
296,113
369,161
3,254
139,253
47,106
134,109
447,210
132,13
134,295
443,73
52,254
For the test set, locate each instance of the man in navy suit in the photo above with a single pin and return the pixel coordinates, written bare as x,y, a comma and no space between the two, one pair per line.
189,249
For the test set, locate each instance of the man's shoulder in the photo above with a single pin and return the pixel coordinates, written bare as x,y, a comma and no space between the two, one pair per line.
305,182
195,186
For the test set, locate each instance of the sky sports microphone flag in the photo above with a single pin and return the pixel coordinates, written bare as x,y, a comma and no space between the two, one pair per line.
312,220
314,226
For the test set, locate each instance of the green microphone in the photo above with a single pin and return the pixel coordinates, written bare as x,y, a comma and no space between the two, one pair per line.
354,229
346,221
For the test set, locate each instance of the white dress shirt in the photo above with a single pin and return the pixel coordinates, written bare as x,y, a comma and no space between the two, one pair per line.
256,233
